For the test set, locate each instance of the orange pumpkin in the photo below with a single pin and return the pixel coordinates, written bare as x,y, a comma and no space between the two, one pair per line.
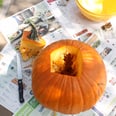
31,43
29,47
68,76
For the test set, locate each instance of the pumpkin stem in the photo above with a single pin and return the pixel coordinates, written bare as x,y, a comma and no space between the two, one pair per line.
33,35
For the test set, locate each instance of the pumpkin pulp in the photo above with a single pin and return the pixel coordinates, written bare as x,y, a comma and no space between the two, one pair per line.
65,60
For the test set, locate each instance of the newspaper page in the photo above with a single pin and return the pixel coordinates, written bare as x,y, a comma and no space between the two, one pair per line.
51,17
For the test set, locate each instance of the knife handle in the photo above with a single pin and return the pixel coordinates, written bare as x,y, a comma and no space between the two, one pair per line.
20,89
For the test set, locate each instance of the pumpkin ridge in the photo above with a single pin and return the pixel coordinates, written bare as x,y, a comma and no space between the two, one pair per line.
76,80
94,83
88,77
95,79
42,89
61,107
80,49
71,91
55,85
68,93
61,87
90,86
36,74
84,98
101,66
82,95
42,93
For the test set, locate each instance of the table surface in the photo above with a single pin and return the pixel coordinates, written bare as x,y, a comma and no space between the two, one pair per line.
4,111
11,7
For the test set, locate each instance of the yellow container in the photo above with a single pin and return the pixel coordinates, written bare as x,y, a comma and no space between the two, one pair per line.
97,10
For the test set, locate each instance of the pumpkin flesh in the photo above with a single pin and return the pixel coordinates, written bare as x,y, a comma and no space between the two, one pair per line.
30,48
69,89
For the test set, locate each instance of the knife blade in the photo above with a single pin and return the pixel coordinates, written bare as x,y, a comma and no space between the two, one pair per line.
20,82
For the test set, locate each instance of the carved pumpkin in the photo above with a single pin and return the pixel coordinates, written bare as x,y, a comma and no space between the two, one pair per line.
31,42
29,47
68,76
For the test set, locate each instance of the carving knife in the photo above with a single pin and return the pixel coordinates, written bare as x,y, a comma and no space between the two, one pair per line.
20,82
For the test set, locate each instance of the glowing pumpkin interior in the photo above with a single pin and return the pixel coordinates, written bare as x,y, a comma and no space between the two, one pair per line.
65,60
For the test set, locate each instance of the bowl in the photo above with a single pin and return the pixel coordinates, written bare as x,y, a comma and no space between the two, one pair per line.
94,12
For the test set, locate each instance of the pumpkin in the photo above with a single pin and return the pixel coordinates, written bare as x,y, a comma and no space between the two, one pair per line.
68,76
28,47
31,43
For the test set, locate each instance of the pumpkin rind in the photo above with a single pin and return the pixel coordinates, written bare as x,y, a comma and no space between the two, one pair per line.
30,48
66,93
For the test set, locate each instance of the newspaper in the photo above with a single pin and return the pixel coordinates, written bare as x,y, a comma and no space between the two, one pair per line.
59,20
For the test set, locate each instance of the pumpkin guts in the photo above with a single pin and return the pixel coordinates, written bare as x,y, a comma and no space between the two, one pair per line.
68,70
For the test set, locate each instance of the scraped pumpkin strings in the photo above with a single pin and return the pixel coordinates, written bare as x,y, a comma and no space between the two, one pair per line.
68,62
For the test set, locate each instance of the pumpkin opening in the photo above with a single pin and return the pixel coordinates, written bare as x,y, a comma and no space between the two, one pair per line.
64,60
